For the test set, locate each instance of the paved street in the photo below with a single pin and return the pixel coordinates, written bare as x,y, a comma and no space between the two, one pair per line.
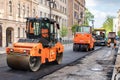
33,33
96,66
9,74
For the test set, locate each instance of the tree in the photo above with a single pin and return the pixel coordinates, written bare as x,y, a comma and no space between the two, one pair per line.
63,31
88,17
118,33
108,24
74,28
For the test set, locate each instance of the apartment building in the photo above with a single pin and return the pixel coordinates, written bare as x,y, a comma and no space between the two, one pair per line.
13,12
58,11
76,12
12,22
116,23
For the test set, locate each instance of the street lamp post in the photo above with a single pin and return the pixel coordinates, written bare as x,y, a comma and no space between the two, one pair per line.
50,7
92,23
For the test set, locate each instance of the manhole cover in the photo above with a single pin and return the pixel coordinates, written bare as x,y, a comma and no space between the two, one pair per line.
97,68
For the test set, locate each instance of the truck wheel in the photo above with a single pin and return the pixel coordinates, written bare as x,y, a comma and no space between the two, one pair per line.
93,48
87,49
59,58
74,48
34,63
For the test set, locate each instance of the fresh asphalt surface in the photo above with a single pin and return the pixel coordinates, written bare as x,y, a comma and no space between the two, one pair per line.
69,56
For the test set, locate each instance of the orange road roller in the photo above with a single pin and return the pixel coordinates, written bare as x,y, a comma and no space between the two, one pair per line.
41,45
83,39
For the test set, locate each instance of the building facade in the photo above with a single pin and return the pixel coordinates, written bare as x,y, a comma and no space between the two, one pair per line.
118,20
116,23
13,12
58,12
12,22
76,12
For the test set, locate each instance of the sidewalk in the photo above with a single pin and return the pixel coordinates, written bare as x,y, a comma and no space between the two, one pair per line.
116,75
2,50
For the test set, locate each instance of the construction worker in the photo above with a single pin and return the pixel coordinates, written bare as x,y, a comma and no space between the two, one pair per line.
110,41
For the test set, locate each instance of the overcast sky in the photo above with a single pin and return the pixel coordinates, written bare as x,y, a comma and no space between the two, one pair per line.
102,8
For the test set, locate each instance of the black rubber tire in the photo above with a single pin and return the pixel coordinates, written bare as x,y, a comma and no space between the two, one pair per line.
59,57
34,63
93,47
74,48
87,49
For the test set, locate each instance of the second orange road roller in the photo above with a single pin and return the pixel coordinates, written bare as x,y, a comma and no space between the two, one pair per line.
83,39
41,45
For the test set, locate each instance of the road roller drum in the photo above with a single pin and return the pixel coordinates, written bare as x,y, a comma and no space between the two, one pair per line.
23,62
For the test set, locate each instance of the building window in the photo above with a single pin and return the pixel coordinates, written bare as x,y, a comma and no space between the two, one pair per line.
76,6
40,13
60,8
33,12
23,32
81,15
28,11
65,23
65,1
45,2
45,15
75,14
41,1
65,11
56,5
23,10
10,7
48,15
19,10
18,32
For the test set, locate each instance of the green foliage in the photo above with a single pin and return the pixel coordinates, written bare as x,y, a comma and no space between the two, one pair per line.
74,28
108,24
118,33
63,31
88,17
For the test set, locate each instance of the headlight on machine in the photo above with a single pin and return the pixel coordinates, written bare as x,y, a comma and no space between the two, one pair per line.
11,50
26,51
